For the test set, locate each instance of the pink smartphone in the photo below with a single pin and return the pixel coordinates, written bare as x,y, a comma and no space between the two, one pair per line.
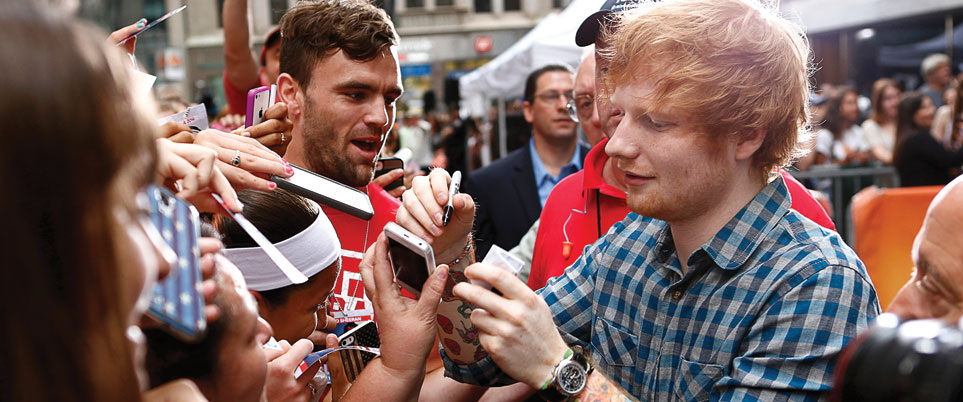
258,101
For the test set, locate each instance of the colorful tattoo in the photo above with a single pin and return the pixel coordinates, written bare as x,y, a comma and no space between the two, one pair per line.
453,347
465,309
601,389
468,335
445,324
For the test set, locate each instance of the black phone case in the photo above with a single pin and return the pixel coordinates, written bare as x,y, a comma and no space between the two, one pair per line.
393,163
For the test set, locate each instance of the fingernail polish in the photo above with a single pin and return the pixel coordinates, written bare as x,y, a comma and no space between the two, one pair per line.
289,169
272,185
245,134
286,163
140,24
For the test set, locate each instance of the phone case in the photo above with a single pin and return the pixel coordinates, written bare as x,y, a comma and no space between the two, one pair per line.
386,165
421,256
343,198
177,302
353,361
258,101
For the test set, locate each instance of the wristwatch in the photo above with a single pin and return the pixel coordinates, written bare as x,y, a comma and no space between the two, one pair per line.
568,377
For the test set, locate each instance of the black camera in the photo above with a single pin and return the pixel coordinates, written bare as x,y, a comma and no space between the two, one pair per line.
919,360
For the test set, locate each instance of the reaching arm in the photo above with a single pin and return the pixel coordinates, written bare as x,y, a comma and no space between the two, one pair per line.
240,66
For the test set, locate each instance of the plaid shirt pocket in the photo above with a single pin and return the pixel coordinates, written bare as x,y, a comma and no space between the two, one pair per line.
696,380
617,346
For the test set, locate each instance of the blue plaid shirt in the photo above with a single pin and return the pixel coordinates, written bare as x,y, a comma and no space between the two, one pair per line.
761,313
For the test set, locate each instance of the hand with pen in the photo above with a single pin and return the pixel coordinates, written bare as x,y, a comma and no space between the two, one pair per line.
422,212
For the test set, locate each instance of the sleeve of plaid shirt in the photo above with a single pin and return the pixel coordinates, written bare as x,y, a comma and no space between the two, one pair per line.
790,352
569,297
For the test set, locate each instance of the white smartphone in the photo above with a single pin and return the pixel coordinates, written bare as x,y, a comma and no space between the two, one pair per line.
412,258
327,192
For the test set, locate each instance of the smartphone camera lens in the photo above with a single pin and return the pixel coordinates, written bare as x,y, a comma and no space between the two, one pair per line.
260,114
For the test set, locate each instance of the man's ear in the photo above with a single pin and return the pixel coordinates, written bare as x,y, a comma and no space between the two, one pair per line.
288,90
527,111
258,298
749,143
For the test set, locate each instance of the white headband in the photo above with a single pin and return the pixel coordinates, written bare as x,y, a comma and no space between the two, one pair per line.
311,251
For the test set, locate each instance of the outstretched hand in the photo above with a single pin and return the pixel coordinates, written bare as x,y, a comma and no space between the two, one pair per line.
516,329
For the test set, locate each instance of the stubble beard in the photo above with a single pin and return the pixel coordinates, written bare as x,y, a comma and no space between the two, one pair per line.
324,159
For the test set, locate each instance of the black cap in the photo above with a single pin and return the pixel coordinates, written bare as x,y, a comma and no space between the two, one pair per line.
589,30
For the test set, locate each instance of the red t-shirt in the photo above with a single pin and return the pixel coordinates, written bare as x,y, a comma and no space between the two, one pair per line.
237,97
582,197
356,236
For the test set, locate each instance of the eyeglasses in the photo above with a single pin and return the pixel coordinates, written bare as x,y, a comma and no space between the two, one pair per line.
581,107
552,96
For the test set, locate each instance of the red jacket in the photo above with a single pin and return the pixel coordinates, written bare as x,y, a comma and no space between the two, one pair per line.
583,207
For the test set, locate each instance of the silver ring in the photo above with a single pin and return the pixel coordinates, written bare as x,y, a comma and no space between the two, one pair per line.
236,161
282,138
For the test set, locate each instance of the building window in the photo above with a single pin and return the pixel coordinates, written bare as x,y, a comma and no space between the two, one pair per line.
278,8
483,6
444,3
414,3
513,5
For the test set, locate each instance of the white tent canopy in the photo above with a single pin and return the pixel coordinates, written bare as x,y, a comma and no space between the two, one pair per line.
551,41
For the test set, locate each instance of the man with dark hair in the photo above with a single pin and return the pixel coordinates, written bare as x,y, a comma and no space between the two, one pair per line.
531,171
340,79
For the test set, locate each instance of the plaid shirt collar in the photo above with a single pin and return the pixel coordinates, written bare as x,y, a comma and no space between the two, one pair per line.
732,245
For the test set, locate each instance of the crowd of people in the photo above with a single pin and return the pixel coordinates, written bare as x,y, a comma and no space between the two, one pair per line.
670,258
889,128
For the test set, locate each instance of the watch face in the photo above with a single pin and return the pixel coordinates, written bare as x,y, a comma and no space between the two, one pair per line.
571,378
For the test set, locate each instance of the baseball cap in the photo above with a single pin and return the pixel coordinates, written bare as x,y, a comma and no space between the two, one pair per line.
589,30
269,40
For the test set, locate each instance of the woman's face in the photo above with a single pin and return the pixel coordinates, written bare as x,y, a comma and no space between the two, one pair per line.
923,117
298,317
849,108
890,101
241,364
141,256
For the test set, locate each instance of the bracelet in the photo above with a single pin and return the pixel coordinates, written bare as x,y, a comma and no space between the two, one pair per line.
464,253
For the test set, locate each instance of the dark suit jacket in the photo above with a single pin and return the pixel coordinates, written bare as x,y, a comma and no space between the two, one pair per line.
506,200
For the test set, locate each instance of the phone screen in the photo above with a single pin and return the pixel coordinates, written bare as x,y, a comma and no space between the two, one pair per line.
410,267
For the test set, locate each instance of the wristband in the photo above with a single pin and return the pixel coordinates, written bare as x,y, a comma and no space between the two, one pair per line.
463,254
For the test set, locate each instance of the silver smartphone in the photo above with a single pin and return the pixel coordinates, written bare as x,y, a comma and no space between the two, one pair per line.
326,191
412,258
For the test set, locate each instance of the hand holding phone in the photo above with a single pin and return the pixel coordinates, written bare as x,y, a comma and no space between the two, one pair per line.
385,165
258,101
411,258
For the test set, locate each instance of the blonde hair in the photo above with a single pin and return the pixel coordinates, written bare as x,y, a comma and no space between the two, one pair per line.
733,66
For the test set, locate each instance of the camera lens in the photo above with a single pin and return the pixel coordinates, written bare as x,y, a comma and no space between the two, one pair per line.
919,360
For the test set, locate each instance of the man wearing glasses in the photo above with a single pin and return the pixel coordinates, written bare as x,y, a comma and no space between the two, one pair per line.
586,204
510,192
